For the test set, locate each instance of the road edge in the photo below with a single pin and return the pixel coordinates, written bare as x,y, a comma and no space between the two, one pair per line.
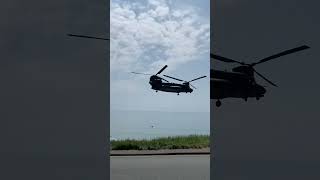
205,151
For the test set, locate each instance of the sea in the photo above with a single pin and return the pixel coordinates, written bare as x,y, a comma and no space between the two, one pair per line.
154,124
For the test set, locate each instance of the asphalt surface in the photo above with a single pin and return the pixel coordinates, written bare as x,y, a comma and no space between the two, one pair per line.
166,167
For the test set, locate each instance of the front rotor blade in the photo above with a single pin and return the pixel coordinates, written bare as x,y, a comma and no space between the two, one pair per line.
173,78
224,59
290,51
197,78
140,73
164,67
90,37
264,78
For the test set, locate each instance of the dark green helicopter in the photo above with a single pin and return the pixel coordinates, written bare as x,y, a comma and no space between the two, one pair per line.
240,83
160,84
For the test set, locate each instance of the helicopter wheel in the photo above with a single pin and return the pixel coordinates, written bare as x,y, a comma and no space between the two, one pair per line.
246,99
178,94
156,90
218,103
257,98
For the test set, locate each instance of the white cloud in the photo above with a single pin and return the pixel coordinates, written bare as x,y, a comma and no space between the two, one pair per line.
157,2
146,36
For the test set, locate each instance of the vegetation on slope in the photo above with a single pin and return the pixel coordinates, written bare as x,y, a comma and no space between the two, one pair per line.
175,142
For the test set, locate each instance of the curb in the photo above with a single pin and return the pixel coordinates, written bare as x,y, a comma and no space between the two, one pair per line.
160,152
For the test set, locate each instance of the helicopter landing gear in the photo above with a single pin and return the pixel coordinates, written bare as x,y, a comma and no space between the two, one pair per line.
246,99
257,98
156,90
218,103
178,94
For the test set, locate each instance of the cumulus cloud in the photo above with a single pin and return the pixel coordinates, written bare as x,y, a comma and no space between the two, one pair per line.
145,35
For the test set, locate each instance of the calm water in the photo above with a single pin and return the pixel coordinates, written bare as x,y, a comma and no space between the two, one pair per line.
152,124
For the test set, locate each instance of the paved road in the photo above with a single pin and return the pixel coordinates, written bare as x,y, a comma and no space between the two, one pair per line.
160,167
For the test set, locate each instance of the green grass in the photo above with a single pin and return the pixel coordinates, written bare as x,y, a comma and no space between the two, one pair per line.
175,142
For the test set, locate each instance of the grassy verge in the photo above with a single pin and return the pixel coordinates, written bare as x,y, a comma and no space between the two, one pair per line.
175,142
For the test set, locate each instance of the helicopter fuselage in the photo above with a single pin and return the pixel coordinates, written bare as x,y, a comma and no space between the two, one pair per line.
158,85
225,84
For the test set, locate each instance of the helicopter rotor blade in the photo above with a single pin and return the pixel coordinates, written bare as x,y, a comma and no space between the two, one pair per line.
140,73
163,79
264,78
193,86
164,67
290,51
173,78
224,59
90,37
197,78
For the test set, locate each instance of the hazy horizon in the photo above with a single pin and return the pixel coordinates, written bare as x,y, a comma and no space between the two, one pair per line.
152,124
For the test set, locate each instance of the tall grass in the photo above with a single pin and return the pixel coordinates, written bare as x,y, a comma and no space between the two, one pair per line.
174,142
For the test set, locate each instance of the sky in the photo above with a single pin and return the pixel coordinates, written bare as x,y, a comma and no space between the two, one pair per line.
281,130
148,34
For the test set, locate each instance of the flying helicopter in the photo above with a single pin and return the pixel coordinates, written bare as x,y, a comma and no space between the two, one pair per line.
241,83
160,84
157,83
